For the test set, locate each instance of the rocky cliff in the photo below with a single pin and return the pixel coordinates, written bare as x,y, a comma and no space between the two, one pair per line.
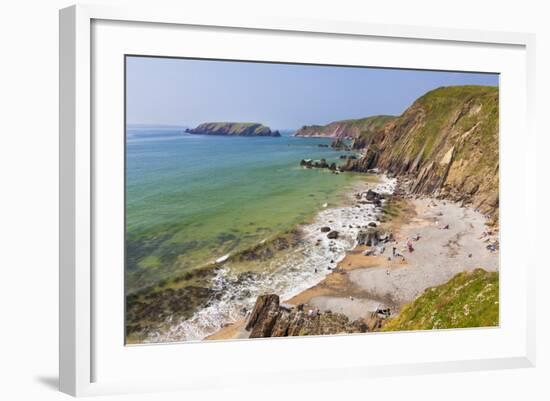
345,128
233,129
445,144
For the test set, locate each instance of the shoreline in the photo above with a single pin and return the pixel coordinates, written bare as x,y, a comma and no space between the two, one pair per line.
362,285
289,273
217,207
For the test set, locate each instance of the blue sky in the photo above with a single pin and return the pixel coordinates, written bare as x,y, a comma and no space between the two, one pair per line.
188,92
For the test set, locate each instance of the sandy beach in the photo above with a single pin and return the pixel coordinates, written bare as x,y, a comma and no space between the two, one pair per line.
447,239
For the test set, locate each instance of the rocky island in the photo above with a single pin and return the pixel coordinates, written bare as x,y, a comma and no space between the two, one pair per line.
233,129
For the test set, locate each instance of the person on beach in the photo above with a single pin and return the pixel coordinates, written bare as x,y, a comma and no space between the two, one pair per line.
410,246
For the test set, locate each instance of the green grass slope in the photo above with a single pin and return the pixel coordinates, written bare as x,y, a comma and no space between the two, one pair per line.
447,142
469,299
352,128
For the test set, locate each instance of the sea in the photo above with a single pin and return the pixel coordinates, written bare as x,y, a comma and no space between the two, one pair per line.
194,199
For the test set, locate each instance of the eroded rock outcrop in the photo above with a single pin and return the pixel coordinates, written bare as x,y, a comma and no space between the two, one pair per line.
369,237
271,319
309,163
339,144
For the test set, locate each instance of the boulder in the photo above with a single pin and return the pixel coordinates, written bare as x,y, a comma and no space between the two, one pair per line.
264,316
369,237
320,164
325,229
372,195
332,235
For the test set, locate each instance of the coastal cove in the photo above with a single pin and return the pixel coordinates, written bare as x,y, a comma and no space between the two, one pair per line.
381,223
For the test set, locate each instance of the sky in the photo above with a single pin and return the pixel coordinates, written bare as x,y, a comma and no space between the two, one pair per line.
187,92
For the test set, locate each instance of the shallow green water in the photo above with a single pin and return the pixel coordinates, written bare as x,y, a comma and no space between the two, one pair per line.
191,199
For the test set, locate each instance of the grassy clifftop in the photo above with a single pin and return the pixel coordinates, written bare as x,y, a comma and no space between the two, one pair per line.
353,128
457,108
469,299
447,143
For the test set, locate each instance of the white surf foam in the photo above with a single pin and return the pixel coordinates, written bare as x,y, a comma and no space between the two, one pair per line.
305,267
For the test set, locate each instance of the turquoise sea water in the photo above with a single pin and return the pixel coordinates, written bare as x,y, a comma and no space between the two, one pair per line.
191,199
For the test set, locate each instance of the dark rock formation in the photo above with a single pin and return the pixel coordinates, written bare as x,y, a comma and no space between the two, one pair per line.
148,310
270,319
368,237
339,144
321,164
263,316
233,129
308,163
373,195
268,249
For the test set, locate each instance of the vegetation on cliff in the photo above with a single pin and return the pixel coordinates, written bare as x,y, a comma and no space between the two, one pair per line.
469,299
354,128
233,129
446,143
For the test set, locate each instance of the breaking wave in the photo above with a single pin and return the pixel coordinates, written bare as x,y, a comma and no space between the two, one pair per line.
303,267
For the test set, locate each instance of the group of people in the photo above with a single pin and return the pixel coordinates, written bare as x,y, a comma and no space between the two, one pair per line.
409,245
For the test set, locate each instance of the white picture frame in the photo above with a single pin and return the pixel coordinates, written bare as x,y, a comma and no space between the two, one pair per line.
79,344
